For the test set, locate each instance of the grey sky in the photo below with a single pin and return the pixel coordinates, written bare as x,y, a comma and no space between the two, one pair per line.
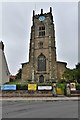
79,31
16,28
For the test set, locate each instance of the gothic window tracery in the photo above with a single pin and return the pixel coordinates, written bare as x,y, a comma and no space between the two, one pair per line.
41,63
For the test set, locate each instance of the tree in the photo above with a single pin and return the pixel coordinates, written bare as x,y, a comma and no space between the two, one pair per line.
70,74
78,72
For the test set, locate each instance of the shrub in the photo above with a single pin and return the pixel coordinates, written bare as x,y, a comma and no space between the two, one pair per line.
78,87
60,88
60,85
21,87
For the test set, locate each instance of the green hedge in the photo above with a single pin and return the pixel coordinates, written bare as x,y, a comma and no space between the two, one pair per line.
45,84
21,87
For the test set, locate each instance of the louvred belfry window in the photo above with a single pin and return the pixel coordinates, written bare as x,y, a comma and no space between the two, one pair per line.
40,44
42,31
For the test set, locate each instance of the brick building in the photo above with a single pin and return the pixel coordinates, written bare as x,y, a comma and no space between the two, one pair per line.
42,65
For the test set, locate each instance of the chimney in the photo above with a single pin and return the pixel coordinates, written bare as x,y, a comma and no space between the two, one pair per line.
1,46
41,11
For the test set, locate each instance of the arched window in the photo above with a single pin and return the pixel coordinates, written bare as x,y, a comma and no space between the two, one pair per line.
41,63
41,79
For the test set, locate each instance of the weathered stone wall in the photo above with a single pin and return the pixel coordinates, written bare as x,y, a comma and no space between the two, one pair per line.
61,67
26,71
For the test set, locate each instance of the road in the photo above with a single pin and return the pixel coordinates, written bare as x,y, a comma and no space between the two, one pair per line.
39,109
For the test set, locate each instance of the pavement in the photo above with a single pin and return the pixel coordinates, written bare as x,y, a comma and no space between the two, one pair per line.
40,109
59,98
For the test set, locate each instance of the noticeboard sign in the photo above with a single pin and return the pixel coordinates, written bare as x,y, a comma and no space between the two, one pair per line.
44,87
8,87
72,86
32,87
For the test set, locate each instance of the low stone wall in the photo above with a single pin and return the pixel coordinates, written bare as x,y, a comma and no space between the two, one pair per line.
23,93
75,93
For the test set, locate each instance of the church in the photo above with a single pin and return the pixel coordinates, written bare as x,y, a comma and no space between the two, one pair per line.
43,66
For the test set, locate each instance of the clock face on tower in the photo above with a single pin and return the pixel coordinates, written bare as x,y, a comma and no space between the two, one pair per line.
41,18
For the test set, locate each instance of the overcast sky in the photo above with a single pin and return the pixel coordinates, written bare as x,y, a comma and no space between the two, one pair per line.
16,28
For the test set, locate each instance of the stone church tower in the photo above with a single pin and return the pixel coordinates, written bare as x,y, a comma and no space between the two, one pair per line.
42,66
